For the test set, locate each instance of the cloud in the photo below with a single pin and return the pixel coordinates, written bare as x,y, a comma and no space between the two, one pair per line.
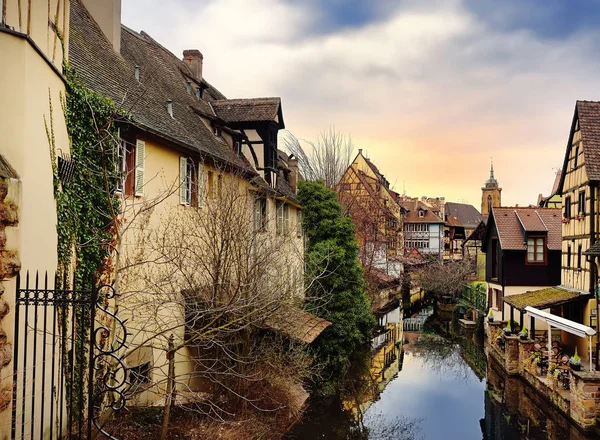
430,89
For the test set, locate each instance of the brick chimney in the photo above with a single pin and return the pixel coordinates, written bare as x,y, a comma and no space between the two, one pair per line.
193,58
293,166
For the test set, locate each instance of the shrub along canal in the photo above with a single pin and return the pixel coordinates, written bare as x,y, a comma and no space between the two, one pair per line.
436,387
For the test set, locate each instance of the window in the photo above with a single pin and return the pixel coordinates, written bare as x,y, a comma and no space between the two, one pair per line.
283,218
121,165
187,182
217,130
421,213
569,256
494,258
211,184
536,250
576,157
139,375
345,187
567,212
579,257
581,202
358,186
260,213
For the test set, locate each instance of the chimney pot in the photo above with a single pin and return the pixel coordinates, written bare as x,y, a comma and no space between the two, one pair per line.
194,60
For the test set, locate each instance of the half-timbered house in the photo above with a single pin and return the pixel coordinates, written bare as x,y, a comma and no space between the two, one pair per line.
578,185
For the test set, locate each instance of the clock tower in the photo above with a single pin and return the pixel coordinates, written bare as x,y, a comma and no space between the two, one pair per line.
490,194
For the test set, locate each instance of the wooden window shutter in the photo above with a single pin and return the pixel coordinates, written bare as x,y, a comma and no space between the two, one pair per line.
140,159
183,181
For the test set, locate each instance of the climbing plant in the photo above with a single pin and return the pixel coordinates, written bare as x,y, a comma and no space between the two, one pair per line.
86,208
86,205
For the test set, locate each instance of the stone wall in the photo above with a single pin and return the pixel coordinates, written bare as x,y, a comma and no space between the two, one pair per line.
581,403
9,267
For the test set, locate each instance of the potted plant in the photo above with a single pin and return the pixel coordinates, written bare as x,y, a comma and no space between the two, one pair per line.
575,362
523,334
507,330
491,316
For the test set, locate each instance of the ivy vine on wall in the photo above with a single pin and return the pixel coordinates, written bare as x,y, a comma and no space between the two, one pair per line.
87,208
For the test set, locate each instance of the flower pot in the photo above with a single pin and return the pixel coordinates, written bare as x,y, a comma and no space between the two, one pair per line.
490,318
575,367
523,337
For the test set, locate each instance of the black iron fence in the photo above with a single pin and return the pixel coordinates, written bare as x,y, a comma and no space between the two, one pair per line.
66,365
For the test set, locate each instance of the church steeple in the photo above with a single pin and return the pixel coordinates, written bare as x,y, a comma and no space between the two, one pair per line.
491,182
491,193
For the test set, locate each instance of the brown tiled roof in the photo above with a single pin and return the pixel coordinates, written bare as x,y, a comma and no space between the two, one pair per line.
428,217
452,221
380,277
465,213
593,250
163,77
296,323
414,258
247,110
589,123
513,223
544,298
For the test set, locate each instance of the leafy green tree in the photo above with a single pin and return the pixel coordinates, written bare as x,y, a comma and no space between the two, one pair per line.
338,295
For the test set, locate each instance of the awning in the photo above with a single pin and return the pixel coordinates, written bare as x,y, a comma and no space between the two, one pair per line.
296,323
544,298
583,331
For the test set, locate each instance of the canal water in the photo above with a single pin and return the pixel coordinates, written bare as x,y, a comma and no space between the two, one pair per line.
435,389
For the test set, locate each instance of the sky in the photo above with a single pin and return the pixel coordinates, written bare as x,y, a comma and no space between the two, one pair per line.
431,90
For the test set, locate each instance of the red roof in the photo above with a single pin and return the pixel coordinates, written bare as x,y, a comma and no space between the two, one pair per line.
513,223
428,217
588,113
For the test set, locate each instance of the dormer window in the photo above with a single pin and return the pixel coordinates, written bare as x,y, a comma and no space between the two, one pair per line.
217,130
536,250
421,213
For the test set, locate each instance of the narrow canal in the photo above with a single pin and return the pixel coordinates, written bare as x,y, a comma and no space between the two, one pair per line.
437,387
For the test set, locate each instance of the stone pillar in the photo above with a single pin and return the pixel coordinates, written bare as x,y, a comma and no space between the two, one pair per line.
525,349
585,397
511,353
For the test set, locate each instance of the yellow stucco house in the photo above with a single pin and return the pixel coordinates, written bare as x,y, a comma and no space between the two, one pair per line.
183,150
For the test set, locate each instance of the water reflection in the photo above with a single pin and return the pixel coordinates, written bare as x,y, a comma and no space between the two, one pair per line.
435,386
516,411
